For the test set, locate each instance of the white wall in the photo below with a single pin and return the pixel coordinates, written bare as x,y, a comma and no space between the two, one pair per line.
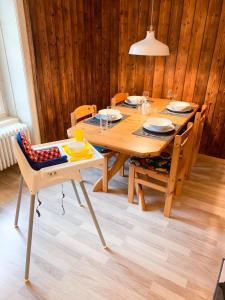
21,99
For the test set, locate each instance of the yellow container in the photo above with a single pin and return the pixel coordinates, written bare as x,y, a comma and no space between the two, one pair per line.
78,135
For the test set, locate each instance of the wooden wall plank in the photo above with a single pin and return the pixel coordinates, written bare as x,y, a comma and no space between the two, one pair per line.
114,47
195,49
80,56
75,46
150,60
132,24
123,44
60,59
214,81
162,35
208,44
105,52
173,40
183,49
217,127
141,33
54,67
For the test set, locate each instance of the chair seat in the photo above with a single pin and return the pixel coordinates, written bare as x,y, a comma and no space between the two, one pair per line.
101,150
160,163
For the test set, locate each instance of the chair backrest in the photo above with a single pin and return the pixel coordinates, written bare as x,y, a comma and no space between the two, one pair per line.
82,112
198,130
181,154
118,98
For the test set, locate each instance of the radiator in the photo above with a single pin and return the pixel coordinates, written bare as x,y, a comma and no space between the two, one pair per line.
7,157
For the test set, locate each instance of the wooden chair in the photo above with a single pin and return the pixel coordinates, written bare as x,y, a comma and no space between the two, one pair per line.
82,112
174,180
197,135
118,98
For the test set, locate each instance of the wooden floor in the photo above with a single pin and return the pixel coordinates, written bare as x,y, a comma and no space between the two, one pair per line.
149,256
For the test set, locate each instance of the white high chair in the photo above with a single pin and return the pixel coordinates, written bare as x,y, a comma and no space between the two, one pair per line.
36,180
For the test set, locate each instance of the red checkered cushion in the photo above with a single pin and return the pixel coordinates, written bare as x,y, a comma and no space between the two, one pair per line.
48,154
39,155
28,148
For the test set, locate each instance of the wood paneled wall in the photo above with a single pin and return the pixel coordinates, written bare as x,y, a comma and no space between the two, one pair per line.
81,56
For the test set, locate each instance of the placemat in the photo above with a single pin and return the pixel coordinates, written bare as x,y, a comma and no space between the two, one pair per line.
159,136
168,112
127,105
132,106
96,122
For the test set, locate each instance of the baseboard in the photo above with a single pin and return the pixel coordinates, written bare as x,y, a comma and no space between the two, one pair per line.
204,157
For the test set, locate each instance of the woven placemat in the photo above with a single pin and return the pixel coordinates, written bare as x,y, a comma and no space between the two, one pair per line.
154,135
165,111
95,121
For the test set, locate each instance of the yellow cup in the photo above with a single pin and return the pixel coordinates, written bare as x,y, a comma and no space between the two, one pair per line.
78,134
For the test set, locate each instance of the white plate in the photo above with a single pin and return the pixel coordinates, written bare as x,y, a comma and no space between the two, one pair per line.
158,123
133,100
178,110
129,103
179,105
164,130
109,111
106,117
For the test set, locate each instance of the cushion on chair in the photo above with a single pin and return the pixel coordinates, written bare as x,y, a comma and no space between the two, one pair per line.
39,155
35,164
27,147
101,149
159,163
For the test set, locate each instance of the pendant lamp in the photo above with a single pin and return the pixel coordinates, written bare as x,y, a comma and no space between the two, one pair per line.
150,45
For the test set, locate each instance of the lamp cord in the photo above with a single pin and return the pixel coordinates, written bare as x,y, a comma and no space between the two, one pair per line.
151,26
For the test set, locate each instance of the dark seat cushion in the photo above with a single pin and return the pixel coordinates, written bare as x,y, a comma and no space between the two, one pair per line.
160,163
101,149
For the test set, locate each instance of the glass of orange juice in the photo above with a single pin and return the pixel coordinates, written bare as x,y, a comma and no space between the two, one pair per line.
78,134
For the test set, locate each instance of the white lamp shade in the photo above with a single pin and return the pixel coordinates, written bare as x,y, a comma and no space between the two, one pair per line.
149,46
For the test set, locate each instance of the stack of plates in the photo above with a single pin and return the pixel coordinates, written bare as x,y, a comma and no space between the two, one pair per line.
179,106
133,100
109,114
160,125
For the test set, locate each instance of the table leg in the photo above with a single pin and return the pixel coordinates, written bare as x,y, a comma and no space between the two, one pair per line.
121,158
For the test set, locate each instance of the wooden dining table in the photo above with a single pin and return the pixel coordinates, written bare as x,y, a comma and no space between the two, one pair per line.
121,138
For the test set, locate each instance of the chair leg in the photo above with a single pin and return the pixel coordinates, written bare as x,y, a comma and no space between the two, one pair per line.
18,201
29,238
131,184
179,187
76,193
122,171
141,199
92,214
168,204
105,175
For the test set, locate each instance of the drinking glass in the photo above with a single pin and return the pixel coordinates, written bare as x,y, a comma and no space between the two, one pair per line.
170,95
103,123
109,117
139,104
146,94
